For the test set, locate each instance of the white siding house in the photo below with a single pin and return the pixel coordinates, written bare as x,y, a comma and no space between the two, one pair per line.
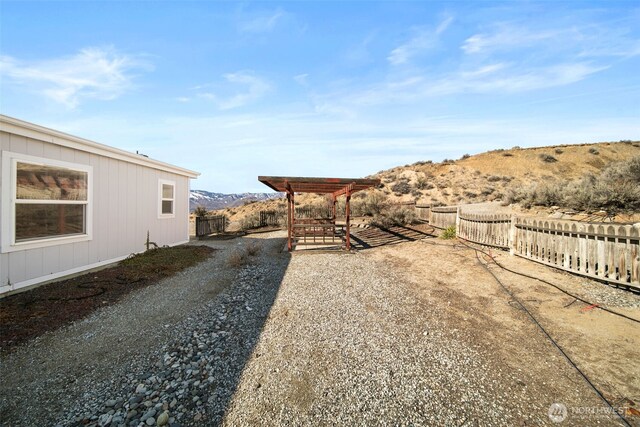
68,204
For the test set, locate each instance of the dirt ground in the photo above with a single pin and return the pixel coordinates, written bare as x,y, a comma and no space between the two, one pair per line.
606,347
31,313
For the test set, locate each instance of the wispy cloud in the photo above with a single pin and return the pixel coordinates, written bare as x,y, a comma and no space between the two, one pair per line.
586,40
92,73
423,39
498,78
227,98
262,23
507,36
301,79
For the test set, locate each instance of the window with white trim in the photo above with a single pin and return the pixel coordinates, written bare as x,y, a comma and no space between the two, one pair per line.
166,198
49,201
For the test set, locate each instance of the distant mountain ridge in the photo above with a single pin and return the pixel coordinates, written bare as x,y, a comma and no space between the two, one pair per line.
213,201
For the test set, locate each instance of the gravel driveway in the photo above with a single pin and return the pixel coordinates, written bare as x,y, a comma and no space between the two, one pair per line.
308,339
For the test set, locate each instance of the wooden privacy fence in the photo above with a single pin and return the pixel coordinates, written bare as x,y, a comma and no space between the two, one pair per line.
602,251
443,216
486,229
609,252
206,225
423,212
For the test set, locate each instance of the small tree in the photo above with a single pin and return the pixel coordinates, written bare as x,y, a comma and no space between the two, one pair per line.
200,211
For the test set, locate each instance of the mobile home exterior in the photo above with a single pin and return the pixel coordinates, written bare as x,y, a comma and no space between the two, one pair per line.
68,204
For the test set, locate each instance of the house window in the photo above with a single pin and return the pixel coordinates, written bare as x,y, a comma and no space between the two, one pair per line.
48,201
167,191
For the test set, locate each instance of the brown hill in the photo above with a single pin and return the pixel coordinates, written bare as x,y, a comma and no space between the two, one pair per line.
478,178
486,176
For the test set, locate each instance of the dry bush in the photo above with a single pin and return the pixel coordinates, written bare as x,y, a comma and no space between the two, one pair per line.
396,215
594,151
371,203
401,187
559,151
547,158
617,188
237,258
200,211
253,248
250,221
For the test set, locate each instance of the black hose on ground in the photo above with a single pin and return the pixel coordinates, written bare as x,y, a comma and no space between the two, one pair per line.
549,337
550,284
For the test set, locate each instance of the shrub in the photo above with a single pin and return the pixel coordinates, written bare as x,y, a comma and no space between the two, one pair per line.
507,154
200,211
448,233
401,187
548,158
371,204
253,248
237,258
494,178
466,156
559,151
397,215
616,188
423,183
250,221
594,151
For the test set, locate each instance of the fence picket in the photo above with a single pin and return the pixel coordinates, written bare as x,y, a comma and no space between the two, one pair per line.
606,252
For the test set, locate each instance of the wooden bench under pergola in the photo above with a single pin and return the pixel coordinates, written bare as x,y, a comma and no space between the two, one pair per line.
309,231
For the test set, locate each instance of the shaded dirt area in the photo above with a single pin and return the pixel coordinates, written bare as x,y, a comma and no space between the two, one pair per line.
46,308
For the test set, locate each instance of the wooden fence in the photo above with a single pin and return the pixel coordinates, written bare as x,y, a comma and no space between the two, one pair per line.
206,225
486,229
271,218
609,252
443,216
423,212
603,251
313,212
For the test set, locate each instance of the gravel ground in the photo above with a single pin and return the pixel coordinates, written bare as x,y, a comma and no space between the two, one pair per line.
308,339
167,348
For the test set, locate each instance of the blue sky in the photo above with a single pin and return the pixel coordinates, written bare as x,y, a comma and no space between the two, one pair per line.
236,90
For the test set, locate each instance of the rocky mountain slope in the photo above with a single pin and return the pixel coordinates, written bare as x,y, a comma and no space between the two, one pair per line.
488,176
214,201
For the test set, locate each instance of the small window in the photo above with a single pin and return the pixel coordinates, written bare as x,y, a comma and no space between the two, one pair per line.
48,201
167,189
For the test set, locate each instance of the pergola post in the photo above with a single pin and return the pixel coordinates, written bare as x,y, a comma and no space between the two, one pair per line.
290,215
289,225
333,207
348,215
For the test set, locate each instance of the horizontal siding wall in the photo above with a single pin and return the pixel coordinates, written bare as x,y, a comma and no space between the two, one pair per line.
125,207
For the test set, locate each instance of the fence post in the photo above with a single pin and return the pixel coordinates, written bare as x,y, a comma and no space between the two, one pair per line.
512,236
457,219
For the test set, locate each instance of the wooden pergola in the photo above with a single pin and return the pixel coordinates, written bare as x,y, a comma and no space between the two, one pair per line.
334,186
